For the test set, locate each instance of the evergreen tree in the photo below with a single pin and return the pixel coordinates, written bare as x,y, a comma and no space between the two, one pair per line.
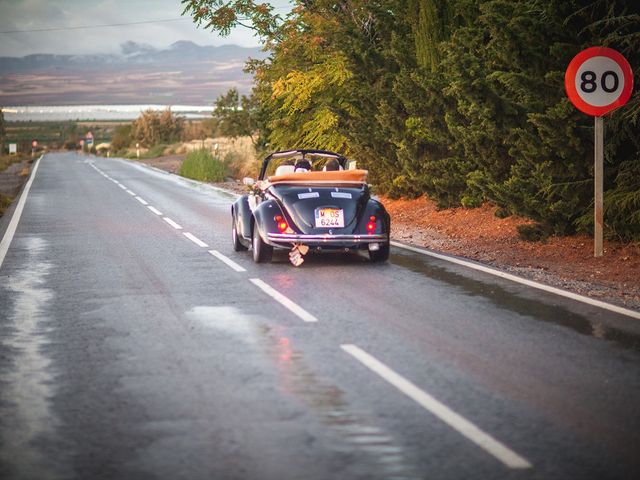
616,23
462,100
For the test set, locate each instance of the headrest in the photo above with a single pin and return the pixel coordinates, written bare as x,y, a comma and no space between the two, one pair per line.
284,169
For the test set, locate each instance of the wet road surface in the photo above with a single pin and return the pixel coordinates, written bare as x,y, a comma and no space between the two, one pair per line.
135,344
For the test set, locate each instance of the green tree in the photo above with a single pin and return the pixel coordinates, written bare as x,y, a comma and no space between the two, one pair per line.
237,115
224,15
462,100
155,127
616,24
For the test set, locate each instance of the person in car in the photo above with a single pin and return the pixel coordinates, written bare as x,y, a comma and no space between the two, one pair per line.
302,166
332,166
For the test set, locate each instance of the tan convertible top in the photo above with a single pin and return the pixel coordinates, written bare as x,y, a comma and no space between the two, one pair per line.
322,178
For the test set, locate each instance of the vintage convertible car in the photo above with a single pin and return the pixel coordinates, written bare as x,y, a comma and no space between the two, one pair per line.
309,200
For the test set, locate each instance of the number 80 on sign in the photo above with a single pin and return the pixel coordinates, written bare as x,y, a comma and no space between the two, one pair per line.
598,80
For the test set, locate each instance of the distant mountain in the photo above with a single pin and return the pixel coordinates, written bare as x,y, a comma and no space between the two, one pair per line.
184,73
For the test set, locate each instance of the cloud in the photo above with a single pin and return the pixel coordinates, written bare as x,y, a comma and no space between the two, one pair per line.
43,14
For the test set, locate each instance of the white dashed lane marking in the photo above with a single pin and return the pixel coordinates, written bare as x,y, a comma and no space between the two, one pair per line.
280,298
195,239
172,223
227,261
463,426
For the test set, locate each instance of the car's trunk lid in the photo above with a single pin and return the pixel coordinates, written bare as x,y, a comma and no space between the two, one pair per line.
309,207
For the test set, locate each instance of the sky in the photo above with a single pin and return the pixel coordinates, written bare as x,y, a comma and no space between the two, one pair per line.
66,15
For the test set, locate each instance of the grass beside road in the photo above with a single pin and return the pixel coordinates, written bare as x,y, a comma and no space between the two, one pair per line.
202,165
7,160
5,201
10,181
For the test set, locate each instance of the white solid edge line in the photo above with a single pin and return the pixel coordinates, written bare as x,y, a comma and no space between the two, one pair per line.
463,426
13,224
172,223
524,281
284,301
154,210
141,200
227,260
195,239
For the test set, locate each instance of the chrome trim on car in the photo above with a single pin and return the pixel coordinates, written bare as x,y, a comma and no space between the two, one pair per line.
327,238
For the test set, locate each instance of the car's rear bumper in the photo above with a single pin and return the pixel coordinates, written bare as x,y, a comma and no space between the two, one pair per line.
326,239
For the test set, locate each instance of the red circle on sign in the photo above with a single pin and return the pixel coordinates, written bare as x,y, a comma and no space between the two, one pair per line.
578,100
34,144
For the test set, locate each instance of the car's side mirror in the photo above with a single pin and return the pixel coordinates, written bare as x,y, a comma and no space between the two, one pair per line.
248,181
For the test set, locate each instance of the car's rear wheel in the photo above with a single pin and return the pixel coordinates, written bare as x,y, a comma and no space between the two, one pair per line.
237,245
380,255
262,252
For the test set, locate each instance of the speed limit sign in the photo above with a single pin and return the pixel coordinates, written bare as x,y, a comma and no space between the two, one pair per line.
598,80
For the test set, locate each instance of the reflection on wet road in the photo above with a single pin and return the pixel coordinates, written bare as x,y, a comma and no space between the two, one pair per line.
387,458
28,384
515,303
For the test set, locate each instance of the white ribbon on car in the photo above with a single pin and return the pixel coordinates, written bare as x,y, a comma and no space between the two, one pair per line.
297,253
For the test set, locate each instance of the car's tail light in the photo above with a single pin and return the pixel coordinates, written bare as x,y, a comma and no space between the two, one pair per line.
282,223
371,226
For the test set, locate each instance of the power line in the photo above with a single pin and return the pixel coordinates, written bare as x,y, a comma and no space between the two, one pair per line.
83,27
59,29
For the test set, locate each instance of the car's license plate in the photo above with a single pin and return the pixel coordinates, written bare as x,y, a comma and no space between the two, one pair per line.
329,217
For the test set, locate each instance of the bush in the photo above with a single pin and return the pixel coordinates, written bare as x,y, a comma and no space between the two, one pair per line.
533,233
155,127
5,201
122,137
201,165
471,201
237,165
502,213
155,151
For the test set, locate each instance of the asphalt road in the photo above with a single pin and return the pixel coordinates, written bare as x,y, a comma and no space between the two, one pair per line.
135,344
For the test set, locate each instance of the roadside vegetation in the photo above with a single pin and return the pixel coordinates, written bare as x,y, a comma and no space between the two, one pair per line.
219,147
55,135
5,201
10,183
202,165
462,101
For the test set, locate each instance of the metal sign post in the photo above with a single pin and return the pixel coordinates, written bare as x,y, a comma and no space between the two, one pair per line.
598,172
597,81
88,141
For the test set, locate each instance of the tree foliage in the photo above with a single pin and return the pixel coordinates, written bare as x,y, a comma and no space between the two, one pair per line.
461,100
237,115
154,127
